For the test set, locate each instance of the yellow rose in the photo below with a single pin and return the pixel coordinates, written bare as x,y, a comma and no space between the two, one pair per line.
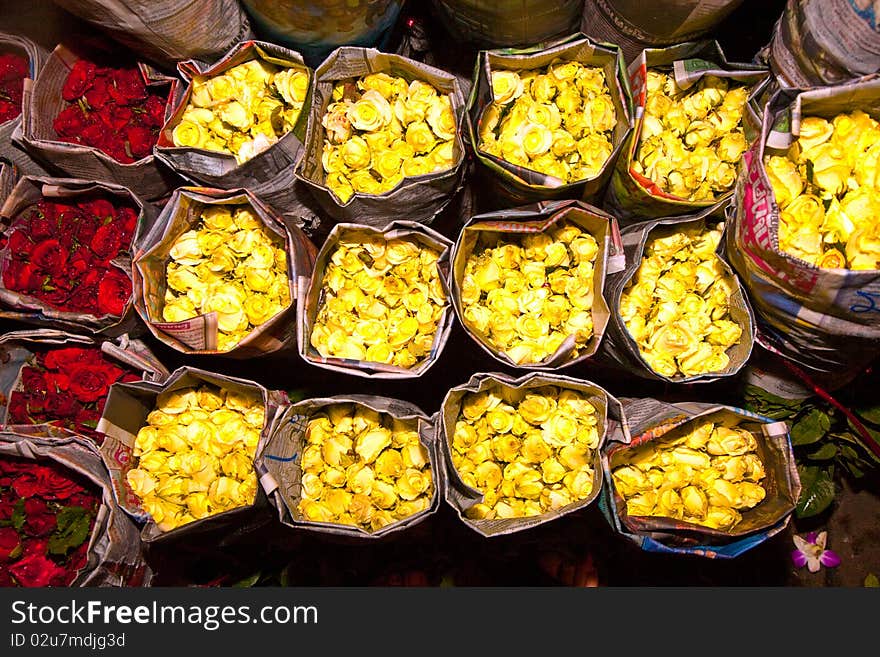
356,153
292,84
420,137
506,86
189,134
259,309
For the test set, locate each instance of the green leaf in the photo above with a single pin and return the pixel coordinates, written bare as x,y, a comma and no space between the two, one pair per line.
18,515
249,581
817,491
872,433
827,451
871,414
810,428
871,581
72,530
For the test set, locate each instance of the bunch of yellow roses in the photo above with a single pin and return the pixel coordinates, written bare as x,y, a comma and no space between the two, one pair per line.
382,301
706,475
363,468
527,450
229,264
244,110
379,129
676,307
691,140
557,120
527,293
195,455
828,189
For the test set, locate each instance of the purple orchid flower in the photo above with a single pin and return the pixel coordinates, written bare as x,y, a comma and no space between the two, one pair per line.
811,552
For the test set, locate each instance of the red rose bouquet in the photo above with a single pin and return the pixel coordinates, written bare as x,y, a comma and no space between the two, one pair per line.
13,70
66,386
47,513
111,109
61,254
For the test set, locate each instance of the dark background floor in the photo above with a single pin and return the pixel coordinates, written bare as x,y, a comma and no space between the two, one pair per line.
442,549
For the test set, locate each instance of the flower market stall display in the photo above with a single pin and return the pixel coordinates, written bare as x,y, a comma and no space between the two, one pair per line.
167,31
823,42
239,122
377,304
352,465
804,234
383,138
528,283
181,452
66,261
20,59
679,312
96,114
59,526
698,478
522,452
317,27
508,23
636,27
218,275
549,122
62,379
685,151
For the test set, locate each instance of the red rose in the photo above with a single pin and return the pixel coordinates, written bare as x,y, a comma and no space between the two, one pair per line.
70,122
56,294
39,519
89,417
99,94
20,245
129,86
7,506
37,571
127,218
34,546
47,483
17,411
57,381
117,119
40,227
49,256
154,116
33,380
13,67
99,208
61,405
83,298
114,292
64,357
79,80
140,141
81,262
107,241
9,543
89,383
22,277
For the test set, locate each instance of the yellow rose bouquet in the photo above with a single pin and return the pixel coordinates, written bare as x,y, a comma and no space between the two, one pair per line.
240,121
530,291
217,274
803,230
828,190
681,312
356,465
695,121
695,478
182,452
378,304
383,137
548,123
523,451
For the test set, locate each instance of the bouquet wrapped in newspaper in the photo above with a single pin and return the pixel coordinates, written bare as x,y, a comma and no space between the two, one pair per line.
549,122
64,528
240,121
167,31
181,454
817,43
678,311
20,58
378,303
508,23
804,236
383,138
8,177
698,478
50,377
693,122
65,260
528,283
352,465
667,22
95,114
218,274
523,452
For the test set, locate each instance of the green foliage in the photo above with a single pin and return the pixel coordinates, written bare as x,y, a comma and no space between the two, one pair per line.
72,530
